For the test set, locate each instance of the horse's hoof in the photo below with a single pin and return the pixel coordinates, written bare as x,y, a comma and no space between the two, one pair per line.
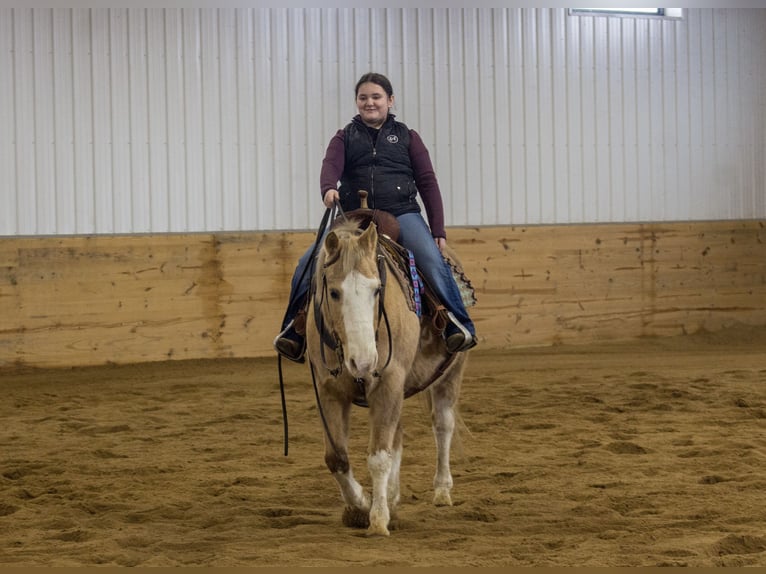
378,531
355,518
442,497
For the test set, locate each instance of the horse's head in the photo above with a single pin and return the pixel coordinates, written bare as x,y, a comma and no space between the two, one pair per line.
348,292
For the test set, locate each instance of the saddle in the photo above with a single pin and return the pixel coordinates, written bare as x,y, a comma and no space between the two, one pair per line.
422,299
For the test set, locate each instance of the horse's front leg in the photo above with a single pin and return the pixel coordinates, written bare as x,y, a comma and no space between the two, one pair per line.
357,503
385,455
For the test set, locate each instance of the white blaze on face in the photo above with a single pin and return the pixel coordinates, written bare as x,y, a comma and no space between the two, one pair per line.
359,306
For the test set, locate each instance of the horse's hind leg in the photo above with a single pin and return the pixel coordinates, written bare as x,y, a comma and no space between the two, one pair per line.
393,479
392,489
443,397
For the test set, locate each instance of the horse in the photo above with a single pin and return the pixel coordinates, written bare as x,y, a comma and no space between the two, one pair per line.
367,347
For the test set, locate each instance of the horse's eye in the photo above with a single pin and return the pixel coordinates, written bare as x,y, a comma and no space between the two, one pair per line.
334,294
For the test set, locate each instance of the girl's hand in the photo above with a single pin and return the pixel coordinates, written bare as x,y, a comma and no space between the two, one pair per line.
440,242
330,197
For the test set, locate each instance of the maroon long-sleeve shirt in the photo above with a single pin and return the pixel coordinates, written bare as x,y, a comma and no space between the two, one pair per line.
425,178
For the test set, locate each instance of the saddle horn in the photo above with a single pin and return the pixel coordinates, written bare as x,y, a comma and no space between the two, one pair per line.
386,223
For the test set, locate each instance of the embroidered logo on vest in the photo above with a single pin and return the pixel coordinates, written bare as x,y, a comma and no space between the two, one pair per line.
392,139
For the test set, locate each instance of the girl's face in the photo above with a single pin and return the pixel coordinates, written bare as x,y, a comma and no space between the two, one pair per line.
373,104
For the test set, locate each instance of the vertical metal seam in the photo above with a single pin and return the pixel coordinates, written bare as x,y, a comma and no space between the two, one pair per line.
74,130
610,105
623,154
568,123
200,59
15,109
131,144
639,166
35,139
147,121
238,103
492,13
94,222
596,140
524,128
582,117
678,112
551,74
111,115
185,120
219,143
55,143
168,202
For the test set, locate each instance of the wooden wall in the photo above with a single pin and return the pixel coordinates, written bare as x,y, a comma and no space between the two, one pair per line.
81,300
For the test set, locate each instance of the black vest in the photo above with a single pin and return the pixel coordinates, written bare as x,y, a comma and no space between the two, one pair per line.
382,168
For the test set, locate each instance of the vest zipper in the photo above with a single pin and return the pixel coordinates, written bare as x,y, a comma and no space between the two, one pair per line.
372,175
371,191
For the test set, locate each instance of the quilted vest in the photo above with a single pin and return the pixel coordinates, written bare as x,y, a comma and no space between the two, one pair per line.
382,168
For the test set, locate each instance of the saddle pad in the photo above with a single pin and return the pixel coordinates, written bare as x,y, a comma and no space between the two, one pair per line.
399,260
399,257
467,291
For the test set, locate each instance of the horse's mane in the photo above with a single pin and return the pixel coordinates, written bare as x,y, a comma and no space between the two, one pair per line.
350,254
349,226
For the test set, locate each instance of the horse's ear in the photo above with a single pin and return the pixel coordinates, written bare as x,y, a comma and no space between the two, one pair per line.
369,239
331,243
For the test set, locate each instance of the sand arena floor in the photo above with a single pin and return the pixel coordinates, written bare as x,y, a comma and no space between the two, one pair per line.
647,454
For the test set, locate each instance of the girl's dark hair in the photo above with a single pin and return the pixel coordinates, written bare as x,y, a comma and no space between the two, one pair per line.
378,79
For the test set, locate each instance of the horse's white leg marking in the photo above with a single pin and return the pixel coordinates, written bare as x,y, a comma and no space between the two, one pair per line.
359,321
352,492
443,419
380,464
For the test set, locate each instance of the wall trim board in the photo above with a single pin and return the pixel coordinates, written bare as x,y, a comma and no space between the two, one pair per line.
88,300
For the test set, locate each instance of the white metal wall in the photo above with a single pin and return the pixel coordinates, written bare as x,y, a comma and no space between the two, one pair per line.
154,120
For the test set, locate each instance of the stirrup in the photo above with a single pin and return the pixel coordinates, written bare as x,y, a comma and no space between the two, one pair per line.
290,348
462,340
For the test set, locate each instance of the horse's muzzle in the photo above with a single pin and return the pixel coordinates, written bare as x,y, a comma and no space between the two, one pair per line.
362,368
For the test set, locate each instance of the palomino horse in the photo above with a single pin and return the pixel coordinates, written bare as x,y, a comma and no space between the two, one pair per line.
363,338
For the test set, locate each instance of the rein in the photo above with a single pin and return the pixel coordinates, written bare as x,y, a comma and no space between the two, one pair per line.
326,219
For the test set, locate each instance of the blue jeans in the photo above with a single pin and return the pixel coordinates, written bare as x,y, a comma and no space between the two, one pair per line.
414,235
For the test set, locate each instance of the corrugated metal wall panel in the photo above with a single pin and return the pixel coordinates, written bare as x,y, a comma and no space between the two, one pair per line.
8,144
159,161
44,120
150,120
757,35
82,122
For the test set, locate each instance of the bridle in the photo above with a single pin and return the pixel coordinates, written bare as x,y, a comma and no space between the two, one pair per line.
329,339
329,336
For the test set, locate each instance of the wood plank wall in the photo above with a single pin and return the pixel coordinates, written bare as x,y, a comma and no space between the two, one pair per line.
68,301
